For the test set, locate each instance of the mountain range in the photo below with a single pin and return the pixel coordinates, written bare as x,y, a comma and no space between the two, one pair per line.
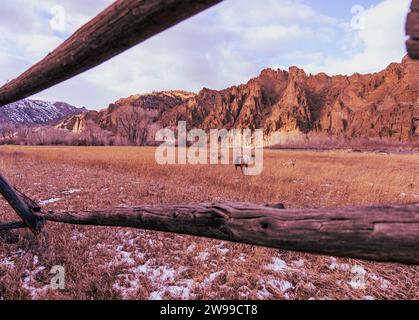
27,113
378,105
383,104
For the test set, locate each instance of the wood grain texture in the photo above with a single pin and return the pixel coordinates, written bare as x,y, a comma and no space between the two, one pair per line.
381,233
22,205
412,30
413,48
119,27
412,24
12,225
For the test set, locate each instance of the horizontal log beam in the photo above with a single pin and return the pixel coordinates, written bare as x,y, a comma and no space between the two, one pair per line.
382,233
12,225
412,24
119,27
413,48
22,205
412,30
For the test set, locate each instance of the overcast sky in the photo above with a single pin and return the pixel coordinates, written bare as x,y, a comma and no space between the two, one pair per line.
224,46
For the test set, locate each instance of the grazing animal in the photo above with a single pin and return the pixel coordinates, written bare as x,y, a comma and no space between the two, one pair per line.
290,163
243,161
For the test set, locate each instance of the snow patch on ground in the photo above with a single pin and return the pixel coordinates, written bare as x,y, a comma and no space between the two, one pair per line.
77,236
309,286
277,265
298,263
191,248
358,282
121,258
334,265
29,281
210,279
263,293
178,291
71,191
7,263
156,295
223,251
163,279
48,201
282,285
382,283
203,256
241,258
272,284
244,292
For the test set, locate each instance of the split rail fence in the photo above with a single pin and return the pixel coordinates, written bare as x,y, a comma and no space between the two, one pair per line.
381,233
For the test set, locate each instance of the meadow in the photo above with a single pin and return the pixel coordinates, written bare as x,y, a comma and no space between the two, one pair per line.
117,263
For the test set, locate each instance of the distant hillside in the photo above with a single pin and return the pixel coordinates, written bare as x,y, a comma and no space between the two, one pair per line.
131,120
26,113
379,105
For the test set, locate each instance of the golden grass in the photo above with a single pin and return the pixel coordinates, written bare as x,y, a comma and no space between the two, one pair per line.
95,258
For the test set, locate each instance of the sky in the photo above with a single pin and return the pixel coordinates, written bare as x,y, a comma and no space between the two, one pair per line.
223,46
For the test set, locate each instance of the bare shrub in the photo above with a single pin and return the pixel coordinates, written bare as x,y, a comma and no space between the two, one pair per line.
134,125
323,141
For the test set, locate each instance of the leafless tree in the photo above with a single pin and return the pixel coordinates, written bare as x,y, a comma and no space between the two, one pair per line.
7,132
134,125
93,135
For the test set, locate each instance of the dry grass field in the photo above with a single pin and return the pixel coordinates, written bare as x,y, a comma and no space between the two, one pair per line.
116,263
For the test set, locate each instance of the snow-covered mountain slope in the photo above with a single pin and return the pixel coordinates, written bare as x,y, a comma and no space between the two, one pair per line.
35,112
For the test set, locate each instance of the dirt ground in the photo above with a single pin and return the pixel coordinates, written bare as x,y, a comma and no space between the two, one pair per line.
117,263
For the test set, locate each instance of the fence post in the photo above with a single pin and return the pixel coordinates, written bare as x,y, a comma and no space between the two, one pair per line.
22,207
412,30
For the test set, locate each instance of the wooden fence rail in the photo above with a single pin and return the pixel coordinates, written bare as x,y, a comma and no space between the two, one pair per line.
382,233
119,27
22,205
412,30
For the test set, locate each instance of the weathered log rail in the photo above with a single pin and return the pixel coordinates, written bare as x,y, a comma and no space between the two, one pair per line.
13,225
382,233
22,205
412,30
119,27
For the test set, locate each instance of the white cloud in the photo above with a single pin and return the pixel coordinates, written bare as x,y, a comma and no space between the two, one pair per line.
238,13
223,46
216,49
379,42
38,44
265,38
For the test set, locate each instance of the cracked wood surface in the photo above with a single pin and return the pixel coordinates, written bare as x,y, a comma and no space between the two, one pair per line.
12,225
119,27
382,233
22,205
412,30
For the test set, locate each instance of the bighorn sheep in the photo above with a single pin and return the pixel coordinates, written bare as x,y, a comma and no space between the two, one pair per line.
290,163
243,161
